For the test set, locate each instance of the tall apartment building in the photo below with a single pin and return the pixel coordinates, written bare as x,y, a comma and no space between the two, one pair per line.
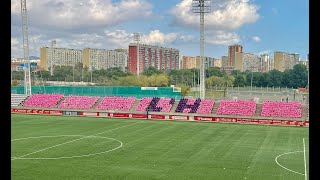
247,61
104,59
296,57
233,49
266,63
59,57
161,58
283,61
217,63
91,58
224,61
208,62
225,65
188,62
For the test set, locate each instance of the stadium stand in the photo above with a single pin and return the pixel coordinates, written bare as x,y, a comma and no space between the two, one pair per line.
116,103
143,104
17,99
42,100
282,109
155,104
237,107
78,102
205,107
188,105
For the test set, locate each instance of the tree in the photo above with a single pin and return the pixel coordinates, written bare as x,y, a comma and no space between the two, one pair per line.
240,80
213,81
225,82
274,78
299,76
184,89
150,71
286,80
213,71
234,73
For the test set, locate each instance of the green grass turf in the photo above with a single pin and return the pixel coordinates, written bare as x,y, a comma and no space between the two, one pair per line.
153,149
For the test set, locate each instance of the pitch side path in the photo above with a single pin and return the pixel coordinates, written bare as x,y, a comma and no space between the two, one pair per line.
58,147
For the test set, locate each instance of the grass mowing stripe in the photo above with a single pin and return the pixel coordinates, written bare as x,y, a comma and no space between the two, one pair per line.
72,141
161,150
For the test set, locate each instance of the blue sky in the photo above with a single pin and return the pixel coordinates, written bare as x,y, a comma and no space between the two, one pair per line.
258,25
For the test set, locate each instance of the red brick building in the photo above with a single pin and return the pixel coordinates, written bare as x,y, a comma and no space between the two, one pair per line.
152,56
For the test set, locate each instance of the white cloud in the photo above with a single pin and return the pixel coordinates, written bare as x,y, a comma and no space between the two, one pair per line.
155,37
222,38
120,38
256,38
109,39
224,15
70,14
16,47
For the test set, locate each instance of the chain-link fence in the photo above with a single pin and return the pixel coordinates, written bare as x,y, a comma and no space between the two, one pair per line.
258,94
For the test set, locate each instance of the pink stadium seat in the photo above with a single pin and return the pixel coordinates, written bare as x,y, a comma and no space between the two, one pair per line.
116,103
282,109
78,102
143,104
205,107
237,107
42,100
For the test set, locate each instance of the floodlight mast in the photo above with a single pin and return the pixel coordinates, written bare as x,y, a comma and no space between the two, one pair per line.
137,38
201,6
252,66
27,78
52,61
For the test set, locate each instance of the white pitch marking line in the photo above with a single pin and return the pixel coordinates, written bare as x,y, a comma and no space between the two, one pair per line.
69,157
305,164
44,137
74,140
276,159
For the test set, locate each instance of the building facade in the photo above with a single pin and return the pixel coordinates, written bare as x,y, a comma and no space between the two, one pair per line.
283,61
89,57
19,64
161,58
224,61
247,61
188,62
225,65
208,62
266,63
103,59
217,63
233,49
296,57
59,57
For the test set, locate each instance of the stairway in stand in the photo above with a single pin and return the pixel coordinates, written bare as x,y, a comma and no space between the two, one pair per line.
134,105
258,110
174,107
215,107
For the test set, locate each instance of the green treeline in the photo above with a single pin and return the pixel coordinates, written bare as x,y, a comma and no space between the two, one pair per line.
296,77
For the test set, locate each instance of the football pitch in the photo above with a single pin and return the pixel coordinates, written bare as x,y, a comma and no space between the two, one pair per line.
60,147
